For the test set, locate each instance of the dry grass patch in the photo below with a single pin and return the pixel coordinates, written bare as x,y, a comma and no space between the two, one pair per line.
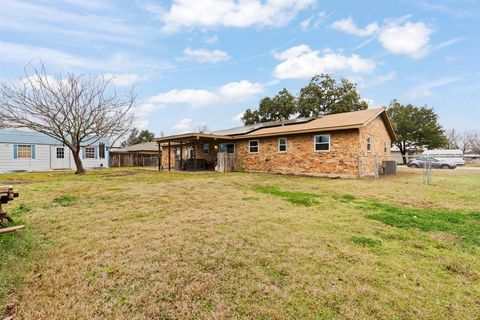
203,246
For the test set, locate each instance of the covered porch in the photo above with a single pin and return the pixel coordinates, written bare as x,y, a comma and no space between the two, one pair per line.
193,151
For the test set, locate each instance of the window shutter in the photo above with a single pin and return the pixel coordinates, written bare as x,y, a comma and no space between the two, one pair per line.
83,152
96,152
15,151
33,151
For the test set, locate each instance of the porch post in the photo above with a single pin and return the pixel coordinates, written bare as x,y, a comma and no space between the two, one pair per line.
181,156
195,156
169,165
159,157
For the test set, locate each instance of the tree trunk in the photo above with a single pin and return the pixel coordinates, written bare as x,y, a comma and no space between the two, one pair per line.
404,158
78,162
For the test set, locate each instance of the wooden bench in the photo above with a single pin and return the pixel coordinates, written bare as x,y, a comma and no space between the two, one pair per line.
7,194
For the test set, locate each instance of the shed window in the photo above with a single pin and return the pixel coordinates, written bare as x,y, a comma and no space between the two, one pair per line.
60,153
369,142
322,142
206,148
282,145
89,152
177,153
253,146
24,151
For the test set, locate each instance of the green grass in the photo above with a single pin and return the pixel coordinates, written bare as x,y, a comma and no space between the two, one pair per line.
136,244
367,242
294,197
65,200
464,225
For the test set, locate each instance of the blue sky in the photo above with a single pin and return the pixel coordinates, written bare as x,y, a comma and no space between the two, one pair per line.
202,62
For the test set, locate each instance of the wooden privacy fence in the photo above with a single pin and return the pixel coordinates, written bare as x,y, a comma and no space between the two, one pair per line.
132,159
226,162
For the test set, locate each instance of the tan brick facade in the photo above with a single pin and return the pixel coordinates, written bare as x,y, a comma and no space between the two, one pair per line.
301,158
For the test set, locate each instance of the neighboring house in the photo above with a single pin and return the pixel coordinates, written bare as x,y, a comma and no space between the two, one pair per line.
345,144
142,154
32,151
411,154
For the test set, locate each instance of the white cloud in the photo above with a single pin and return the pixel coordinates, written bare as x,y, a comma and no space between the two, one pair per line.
124,79
306,23
23,54
228,13
241,90
184,125
210,39
302,62
410,39
204,56
238,117
347,25
375,80
425,90
193,97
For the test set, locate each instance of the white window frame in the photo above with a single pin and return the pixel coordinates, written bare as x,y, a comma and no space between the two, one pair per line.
62,152
369,142
207,150
89,154
25,148
279,144
315,142
250,147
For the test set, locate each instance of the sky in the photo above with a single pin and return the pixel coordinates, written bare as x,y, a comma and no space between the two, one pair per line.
203,62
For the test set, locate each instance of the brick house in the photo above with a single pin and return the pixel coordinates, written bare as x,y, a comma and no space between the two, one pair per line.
346,144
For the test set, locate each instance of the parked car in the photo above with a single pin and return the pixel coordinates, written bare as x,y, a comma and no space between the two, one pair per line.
436,163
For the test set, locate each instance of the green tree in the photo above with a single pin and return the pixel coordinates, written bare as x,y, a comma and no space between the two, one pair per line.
416,127
281,107
137,137
324,95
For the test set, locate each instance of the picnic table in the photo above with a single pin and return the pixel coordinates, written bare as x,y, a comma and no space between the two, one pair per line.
7,194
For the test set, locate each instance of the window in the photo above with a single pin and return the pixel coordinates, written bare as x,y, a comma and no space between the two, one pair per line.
60,153
227,148
89,152
190,153
385,146
282,145
177,153
369,142
322,142
253,146
206,148
24,151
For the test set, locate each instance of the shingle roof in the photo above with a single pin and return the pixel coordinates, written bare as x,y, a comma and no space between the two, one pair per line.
146,146
338,121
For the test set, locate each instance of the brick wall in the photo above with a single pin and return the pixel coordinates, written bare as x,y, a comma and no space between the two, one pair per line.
379,135
301,158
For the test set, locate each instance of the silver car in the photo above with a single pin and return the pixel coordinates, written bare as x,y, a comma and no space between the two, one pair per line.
422,161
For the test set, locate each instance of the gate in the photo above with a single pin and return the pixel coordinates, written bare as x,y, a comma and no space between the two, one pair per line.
226,162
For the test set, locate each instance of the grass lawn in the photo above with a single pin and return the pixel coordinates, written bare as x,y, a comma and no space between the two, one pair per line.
136,244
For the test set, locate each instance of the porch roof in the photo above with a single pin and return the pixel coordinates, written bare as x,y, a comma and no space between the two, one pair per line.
193,137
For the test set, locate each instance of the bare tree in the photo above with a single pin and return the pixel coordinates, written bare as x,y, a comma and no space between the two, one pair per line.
77,110
453,138
474,142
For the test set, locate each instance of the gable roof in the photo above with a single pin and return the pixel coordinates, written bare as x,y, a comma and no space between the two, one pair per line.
146,146
338,121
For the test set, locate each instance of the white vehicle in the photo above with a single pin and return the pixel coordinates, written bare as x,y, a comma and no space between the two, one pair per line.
454,156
